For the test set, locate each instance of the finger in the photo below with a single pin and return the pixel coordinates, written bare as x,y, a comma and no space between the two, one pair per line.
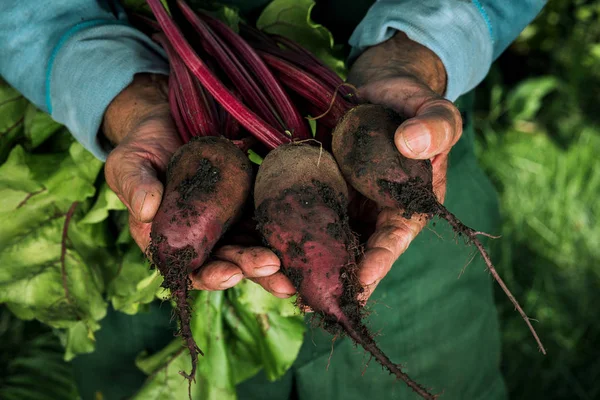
439,170
434,129
134,178
277,284
434,124
375,264
254,261
392,237
216,275
140,232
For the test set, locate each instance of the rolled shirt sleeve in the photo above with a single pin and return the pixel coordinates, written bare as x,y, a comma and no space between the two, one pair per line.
72,57
467,35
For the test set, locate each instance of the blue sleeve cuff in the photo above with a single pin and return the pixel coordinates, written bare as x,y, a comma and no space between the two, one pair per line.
454,30
92,63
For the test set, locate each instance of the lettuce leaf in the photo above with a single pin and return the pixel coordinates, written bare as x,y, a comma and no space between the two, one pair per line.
236,340
291,18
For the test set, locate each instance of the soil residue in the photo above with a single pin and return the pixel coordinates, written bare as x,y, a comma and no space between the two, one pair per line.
204,181
412,196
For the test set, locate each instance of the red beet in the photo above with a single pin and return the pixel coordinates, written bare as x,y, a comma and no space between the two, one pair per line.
363,145
208,182
301,200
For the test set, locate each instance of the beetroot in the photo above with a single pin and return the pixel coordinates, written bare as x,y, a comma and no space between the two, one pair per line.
208,182
301,200
363,145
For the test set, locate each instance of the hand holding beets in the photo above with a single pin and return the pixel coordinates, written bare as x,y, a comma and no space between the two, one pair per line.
410,79
138,123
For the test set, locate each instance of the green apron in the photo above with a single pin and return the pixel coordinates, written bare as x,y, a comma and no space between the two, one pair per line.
441,328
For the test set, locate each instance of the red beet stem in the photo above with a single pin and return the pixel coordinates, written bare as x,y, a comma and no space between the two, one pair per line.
175,110
308,87
297,55
251,92
314,65
252,122
288,113
194,109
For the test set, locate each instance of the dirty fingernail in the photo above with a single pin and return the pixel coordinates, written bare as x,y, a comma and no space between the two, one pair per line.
416,138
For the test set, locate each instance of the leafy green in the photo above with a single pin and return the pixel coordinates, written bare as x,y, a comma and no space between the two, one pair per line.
39,126
106,201
51,267
240,331
291,18
12,114
134,284
275,326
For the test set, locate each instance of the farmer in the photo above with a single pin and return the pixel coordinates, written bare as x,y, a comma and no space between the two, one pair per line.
81,61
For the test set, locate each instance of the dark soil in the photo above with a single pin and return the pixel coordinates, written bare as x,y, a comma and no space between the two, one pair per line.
204,180
412,196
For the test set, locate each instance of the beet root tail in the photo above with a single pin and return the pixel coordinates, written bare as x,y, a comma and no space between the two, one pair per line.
185,315
361,337
471,235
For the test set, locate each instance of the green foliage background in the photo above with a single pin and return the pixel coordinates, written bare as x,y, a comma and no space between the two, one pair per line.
538,124
537,119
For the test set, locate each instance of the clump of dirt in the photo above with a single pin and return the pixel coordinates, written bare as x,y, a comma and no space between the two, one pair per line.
204,180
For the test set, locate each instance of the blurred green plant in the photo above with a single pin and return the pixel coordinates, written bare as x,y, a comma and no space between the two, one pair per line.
538,139
31,362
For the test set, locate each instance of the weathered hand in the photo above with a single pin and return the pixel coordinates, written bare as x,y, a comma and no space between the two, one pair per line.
138,123
410,79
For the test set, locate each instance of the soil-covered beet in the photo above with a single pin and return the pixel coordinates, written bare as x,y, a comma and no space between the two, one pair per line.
363,142
301,202
363,145
301,214
208,182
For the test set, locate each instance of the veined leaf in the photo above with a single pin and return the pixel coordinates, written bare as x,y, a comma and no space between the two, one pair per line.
291,18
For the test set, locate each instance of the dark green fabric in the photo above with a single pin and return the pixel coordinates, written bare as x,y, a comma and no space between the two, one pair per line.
110,370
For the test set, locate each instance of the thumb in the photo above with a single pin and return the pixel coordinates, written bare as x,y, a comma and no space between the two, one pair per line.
145,194
134,179
434,129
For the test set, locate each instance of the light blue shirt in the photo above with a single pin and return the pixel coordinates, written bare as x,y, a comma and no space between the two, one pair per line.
467,35
72,57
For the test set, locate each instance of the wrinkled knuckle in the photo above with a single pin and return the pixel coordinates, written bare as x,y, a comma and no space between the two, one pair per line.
402,237
252,253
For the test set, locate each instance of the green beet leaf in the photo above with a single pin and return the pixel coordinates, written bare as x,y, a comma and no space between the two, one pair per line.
291,18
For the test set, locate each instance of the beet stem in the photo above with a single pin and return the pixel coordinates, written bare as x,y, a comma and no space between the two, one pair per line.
281,100
472,236
252,122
